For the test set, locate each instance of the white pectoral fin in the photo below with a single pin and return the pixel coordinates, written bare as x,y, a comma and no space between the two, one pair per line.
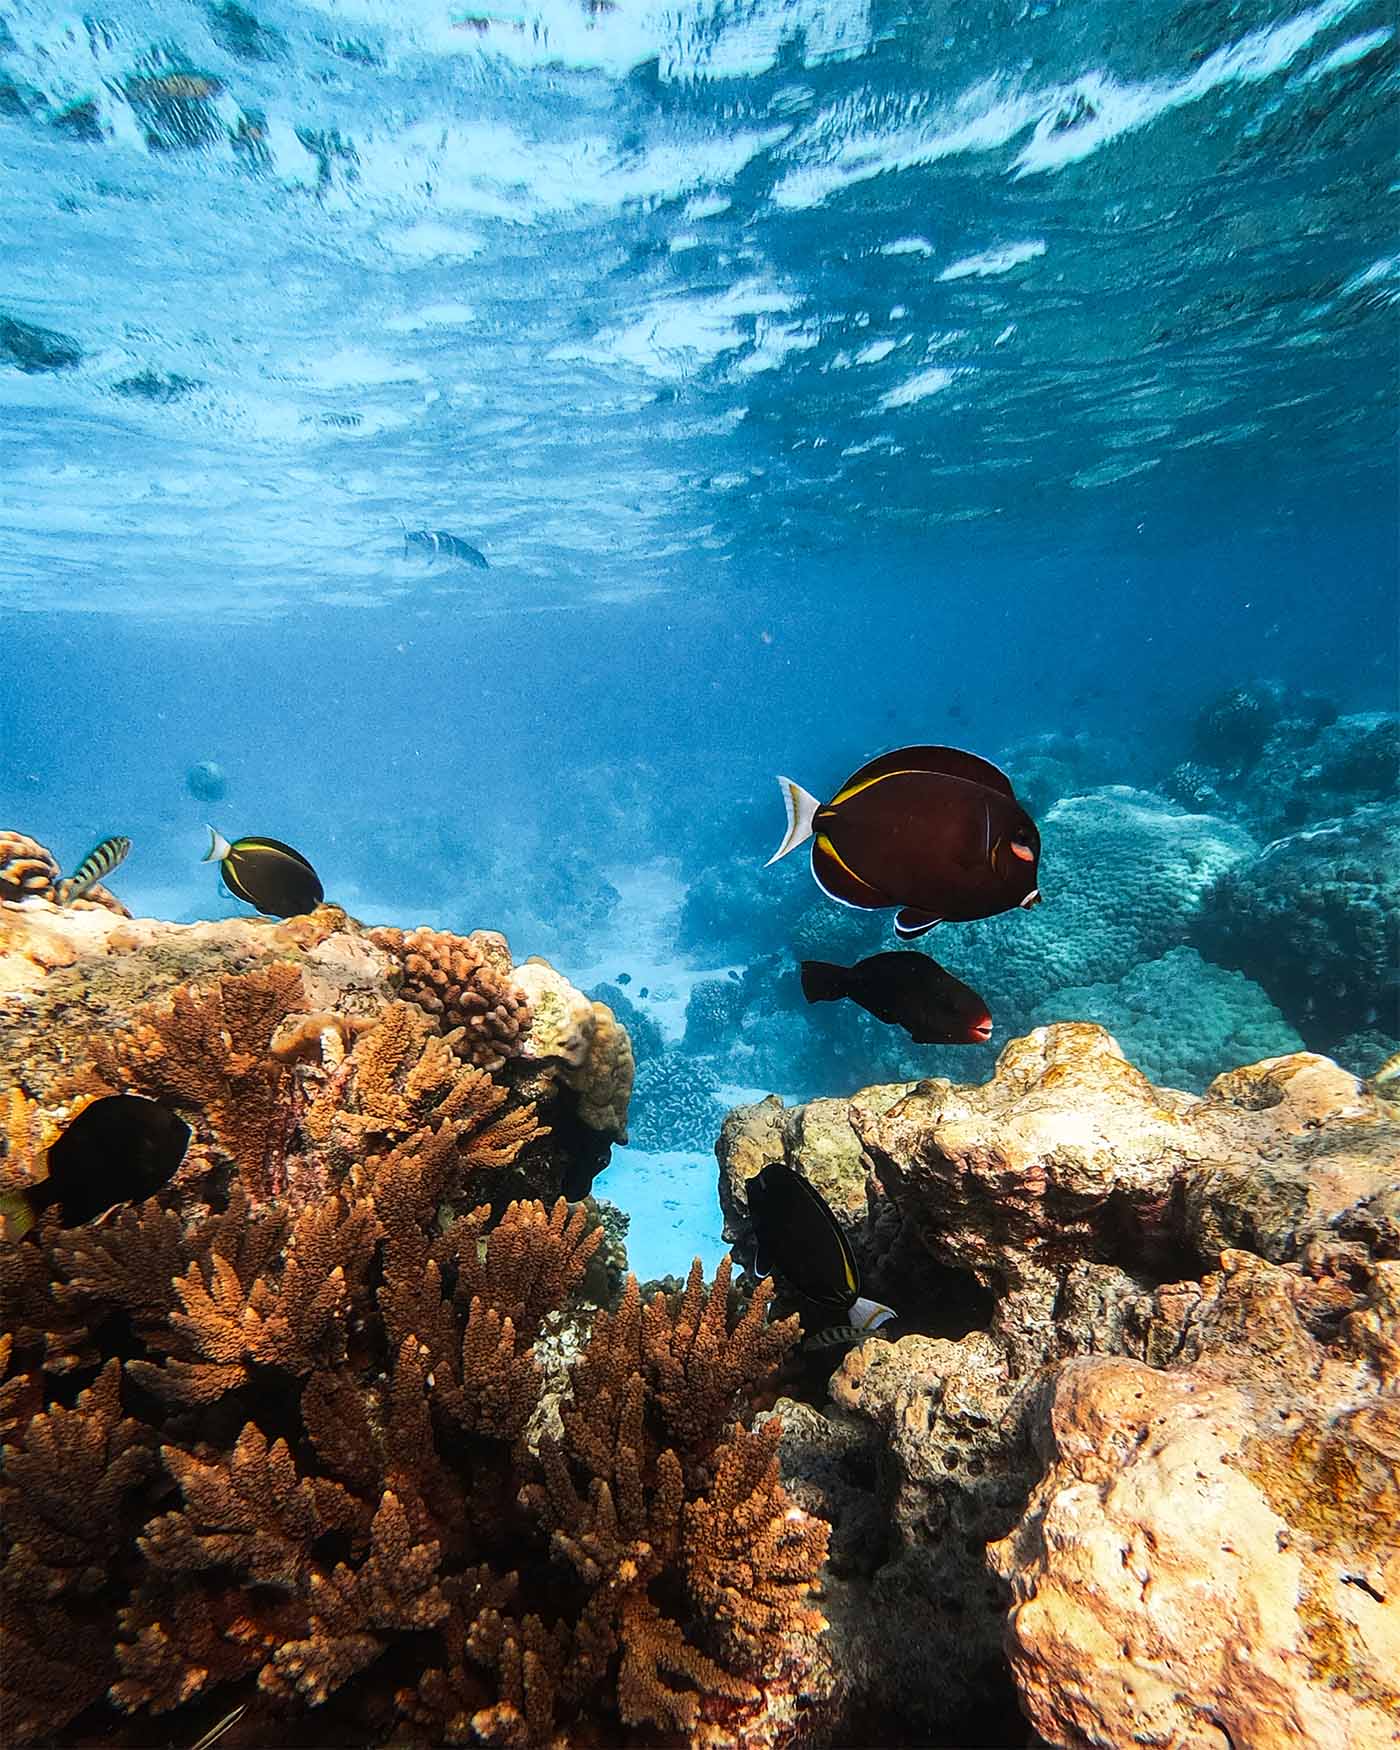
801,808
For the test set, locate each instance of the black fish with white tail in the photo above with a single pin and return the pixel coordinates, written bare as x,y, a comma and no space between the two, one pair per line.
936,831
119,1149
96,866
799,1240
905,989
266,874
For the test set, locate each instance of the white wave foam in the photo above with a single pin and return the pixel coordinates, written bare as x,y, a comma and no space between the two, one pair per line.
993,261
918,388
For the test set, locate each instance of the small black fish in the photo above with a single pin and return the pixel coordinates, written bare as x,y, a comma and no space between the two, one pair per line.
120,1149
266,874
623,978
799,1239
99,862
933,830
439,543
906,989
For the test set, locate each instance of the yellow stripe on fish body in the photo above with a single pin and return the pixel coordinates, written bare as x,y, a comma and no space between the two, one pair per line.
99,862
869,784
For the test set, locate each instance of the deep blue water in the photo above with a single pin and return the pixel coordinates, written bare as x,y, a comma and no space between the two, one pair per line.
814,377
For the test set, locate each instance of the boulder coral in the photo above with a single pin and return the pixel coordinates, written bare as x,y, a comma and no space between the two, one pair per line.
583,1039
1314,918
1179,1019
995,1485
1123,874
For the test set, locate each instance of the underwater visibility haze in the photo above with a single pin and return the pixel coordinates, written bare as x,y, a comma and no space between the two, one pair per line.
483,447
492,444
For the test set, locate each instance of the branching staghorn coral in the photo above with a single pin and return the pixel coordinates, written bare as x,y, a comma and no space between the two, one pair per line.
266,1433
207,1051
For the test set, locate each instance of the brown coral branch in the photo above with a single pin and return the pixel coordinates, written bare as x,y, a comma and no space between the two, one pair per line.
208,1052
702,1372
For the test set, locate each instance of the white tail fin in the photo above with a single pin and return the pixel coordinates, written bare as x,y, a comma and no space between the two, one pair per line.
800,809
219,847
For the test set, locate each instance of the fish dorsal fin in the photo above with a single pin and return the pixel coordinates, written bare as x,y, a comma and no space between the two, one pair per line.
274,845
950,762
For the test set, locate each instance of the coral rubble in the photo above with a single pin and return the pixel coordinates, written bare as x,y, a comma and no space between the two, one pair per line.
277,1439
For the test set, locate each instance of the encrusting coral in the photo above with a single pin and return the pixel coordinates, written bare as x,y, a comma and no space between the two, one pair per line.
274,1437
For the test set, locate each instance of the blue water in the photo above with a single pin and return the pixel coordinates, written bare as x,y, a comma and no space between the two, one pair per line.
813,377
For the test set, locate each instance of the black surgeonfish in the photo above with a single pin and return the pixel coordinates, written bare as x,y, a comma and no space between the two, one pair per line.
120,1149
266,874
99,863
799,1239
906,989
933,830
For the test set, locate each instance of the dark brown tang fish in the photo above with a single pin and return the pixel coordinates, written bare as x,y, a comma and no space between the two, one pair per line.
907,990
933,830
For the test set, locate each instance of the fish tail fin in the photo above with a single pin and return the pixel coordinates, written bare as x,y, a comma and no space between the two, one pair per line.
869,1315
822,982
801,809
18,1214
219,847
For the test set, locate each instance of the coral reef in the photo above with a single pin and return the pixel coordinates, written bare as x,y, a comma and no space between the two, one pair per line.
1083,1200
28,871
1330,895
1179,1019
676,1104
277,1439
713,1012
583,1038
1123,876
463,982
1291,763
646,1036
1245,1477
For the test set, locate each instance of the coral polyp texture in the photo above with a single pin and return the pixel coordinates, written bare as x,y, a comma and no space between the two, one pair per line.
277,1439
463,982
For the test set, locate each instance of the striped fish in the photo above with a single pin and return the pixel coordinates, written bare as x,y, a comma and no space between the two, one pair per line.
99,862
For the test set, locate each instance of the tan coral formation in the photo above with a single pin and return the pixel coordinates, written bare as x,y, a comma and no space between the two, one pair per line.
585,1041
1079,1202
1211,1557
